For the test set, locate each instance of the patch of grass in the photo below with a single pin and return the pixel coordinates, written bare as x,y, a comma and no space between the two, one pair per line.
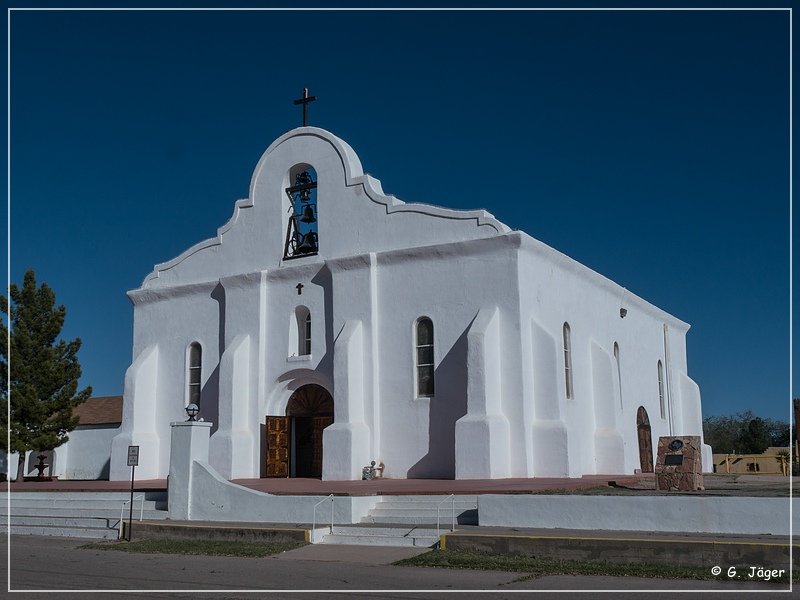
198,547
541,567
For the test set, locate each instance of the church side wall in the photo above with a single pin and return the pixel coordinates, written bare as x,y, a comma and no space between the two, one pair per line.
449,287
554,292
171,322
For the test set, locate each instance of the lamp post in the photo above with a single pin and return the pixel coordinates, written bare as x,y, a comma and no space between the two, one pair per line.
192,411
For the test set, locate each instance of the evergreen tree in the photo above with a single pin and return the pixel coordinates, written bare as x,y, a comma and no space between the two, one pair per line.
745,433
44,371
755,437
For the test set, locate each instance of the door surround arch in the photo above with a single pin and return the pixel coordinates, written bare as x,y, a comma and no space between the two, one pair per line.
294,440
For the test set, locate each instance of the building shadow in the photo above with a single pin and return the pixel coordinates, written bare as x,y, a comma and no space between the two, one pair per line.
447,406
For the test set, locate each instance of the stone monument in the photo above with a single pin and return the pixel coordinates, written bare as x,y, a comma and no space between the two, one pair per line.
679,464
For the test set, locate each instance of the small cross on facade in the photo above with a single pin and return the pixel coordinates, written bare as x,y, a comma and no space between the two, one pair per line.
299,287
304,101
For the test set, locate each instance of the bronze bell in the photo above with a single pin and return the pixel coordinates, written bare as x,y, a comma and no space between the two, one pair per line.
309,244
308,215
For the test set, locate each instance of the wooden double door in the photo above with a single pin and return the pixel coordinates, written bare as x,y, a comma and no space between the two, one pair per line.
294,442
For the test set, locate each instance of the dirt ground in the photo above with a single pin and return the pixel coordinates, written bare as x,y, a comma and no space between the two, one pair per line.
716,484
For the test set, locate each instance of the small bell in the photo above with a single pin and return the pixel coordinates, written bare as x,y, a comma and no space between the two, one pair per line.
309,244
308,215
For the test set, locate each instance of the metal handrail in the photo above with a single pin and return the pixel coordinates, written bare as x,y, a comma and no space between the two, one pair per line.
452,498
122,512
314,519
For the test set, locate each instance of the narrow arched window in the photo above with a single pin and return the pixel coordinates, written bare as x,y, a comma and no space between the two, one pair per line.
619,372
194,373
424,348
303,330
661,390
307,336
567,361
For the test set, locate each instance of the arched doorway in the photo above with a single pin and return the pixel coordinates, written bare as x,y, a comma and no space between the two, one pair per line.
294,442
645,440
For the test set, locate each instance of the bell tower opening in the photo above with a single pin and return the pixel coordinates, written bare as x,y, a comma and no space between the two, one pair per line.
302,236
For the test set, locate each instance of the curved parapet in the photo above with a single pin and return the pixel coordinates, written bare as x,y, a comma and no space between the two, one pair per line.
355,215
355,176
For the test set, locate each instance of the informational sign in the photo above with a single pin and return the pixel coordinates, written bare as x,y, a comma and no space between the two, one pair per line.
133,456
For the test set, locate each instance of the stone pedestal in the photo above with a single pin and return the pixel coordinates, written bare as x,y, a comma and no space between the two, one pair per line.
679,466
189,444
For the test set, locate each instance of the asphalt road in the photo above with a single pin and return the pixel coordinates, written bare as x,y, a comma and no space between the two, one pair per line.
39,564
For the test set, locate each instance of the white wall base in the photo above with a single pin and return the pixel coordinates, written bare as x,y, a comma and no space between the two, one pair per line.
644,513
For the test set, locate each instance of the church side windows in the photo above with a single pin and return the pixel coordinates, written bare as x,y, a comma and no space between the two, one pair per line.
567,361
661,390
619,372
424,357
194,373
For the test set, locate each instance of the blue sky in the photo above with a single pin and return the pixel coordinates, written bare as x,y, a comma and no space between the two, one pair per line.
650,146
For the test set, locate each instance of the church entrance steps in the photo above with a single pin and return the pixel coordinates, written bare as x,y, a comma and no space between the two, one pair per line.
58,521
425,510
95,533
67,511
78,514
356,535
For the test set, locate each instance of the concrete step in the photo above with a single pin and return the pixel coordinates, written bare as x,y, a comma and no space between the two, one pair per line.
98,533
68,511
62,521
149,495
425,510
396,519
382,536
94,515
420,516
83,503
374,540
432,500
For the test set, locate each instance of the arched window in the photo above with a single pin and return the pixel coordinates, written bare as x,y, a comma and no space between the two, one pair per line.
193,373
302,332
661,390
619,372
567,361
424,348
307,337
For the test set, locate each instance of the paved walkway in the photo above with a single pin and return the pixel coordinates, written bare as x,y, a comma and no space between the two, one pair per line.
715,484
400,487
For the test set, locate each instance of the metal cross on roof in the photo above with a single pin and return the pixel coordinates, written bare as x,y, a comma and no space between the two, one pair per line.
304,101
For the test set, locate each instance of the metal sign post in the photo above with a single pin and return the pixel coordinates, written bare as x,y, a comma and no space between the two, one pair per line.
133,460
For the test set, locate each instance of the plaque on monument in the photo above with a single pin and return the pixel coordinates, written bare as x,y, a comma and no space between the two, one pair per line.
679,465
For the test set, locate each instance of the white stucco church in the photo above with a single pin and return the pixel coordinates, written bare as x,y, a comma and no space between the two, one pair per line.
329,324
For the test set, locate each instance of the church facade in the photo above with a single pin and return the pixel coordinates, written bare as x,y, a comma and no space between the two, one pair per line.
328,325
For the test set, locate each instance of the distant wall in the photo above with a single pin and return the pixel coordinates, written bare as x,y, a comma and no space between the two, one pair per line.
88,454
765,463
